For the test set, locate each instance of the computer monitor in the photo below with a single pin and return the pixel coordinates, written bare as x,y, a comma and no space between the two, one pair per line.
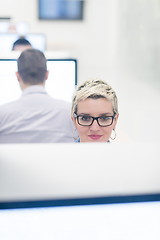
60,84
60,10
80,191
37,40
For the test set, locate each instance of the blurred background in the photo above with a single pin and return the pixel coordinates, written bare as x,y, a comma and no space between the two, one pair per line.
118,41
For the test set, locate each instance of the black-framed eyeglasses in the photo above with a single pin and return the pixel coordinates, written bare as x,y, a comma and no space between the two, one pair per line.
87,120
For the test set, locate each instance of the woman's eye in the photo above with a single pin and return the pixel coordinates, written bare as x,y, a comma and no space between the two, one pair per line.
104,118
85,118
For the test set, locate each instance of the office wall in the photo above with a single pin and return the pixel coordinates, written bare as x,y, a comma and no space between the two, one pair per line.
118,41
115,36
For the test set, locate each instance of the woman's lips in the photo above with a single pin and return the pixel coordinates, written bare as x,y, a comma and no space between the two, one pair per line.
95,137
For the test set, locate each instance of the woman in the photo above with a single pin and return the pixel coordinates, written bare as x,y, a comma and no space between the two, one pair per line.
95,111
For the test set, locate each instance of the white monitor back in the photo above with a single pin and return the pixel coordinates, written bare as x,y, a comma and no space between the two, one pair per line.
59,171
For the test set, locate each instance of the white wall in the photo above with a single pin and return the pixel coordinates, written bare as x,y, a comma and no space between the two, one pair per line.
118,41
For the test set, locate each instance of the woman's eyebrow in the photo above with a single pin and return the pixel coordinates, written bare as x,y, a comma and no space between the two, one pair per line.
108,113
102,114
87,114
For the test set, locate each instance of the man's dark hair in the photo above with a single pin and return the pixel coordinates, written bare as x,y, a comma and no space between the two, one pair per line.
32,66
21,41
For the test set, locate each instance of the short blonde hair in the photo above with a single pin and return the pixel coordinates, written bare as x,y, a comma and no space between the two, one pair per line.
94,88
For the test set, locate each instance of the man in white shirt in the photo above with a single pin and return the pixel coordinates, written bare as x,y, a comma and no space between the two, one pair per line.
35,117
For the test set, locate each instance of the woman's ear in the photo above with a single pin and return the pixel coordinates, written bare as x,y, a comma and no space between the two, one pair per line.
117,116
115,120
74,120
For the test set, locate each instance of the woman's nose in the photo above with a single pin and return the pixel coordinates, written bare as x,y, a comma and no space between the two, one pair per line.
95,126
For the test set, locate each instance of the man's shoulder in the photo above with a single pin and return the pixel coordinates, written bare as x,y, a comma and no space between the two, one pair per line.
8,106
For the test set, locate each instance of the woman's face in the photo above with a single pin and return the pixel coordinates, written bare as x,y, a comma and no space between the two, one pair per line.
96,108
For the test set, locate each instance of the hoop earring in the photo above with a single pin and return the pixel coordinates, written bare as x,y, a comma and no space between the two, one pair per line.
114,136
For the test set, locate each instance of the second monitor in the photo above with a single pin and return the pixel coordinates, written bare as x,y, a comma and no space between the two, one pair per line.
37,40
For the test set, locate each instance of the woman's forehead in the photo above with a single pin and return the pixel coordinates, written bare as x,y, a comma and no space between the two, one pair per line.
99,106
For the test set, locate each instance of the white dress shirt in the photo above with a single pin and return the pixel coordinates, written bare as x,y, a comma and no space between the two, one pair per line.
36,118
